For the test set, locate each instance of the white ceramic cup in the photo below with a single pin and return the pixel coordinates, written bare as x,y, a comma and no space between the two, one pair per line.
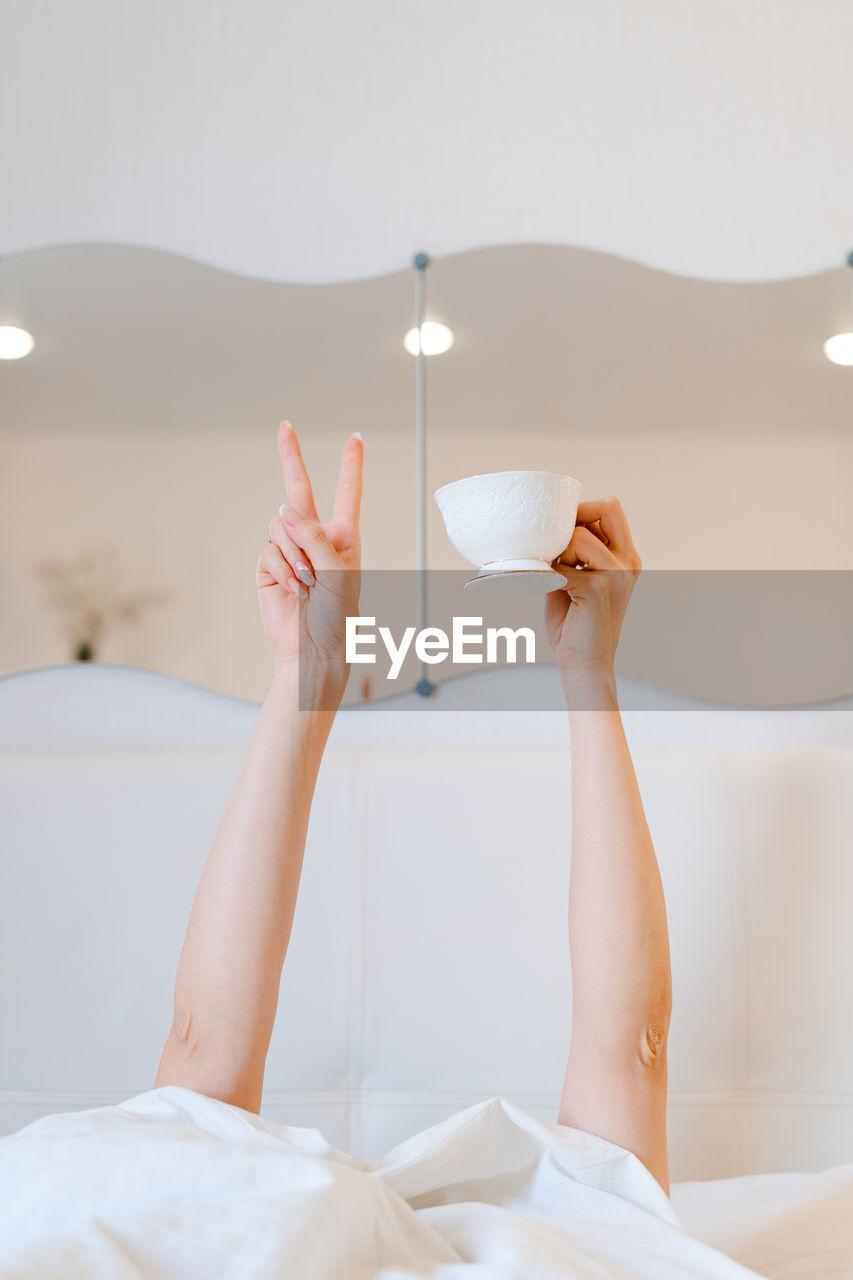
509,521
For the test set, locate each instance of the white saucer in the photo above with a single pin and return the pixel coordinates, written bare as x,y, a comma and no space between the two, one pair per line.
515,582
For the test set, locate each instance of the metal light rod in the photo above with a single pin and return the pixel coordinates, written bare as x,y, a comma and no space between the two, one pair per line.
421,261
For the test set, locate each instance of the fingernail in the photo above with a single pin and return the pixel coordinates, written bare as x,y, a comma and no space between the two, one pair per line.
304,574
288,513
356,435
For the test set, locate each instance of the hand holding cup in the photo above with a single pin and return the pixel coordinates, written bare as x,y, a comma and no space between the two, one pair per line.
601,566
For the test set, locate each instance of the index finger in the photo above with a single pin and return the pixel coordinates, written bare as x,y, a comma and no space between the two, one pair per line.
348,492
299,492
611,520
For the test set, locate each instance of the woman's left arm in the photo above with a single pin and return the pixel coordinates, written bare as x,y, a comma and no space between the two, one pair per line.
616,1077
229,974
621,977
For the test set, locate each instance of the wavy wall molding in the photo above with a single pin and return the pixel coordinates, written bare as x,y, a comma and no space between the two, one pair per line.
562,337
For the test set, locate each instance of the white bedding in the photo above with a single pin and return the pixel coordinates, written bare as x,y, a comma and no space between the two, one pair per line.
788,1226
173,1184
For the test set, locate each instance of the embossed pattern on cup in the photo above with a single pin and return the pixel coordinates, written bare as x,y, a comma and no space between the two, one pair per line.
510,515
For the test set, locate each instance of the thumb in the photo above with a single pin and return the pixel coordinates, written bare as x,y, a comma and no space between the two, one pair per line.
579,582
556,607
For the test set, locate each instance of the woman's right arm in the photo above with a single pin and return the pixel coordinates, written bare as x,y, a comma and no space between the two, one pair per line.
229,973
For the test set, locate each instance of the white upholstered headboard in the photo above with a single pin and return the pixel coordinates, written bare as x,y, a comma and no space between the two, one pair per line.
429,962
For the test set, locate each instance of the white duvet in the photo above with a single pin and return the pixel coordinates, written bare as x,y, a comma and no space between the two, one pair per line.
172,1184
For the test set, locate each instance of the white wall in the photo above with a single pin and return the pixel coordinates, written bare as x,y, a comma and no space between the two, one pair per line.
704,140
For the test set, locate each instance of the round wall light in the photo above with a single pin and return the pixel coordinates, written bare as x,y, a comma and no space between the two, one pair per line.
14,343
840,348
436,338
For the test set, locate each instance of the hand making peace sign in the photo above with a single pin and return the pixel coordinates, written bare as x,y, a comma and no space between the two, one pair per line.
308,575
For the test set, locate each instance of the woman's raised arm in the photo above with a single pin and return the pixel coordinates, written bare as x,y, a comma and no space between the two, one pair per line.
227,985
616,1079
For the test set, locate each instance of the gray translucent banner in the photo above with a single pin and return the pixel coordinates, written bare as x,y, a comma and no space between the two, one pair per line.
728,638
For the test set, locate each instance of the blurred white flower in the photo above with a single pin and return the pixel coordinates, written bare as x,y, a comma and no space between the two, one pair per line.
87,592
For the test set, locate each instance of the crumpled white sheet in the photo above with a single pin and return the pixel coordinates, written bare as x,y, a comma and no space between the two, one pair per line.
786,1226
173,1185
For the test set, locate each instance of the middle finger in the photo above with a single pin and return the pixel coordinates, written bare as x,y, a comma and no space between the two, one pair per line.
594,526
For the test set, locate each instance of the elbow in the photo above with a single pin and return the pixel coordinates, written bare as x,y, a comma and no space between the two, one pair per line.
184,1032
651,1046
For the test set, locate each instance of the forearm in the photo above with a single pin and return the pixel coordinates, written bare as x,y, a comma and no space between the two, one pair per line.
619,944
240,924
